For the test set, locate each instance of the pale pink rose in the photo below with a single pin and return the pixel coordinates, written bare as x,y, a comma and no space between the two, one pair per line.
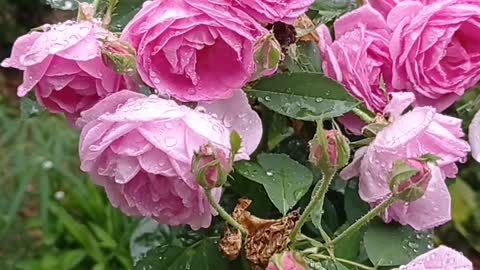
140,150
194,50
270,11
359,57
435,49
441,258
474,136
411,135
287,261
63,65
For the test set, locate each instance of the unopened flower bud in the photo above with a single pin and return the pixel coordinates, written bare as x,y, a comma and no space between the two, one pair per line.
86,12
267,54
286,261
211,166
119,55
334,145
410,179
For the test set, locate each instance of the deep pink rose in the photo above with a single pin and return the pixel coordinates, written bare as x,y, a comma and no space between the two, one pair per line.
63,65
359,57
411,135
441,258
270,11
474,136
435,49
194,50
286,261
140,150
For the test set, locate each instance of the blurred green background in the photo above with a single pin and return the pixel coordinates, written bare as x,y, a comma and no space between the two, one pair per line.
52,217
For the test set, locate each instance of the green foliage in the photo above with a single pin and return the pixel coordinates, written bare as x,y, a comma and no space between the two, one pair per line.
285,180
303,96
393,245
157,246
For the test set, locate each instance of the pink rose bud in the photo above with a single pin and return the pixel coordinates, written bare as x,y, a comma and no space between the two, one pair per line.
268,54
410,179
211,166
119,55
286,261
334,145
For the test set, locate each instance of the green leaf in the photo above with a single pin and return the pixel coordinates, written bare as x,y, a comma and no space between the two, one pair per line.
106,240
285,180
71,258
235,142
30,107
463,201
80,233
349,248
157,246
392,244
304,57
328,216
304,96
124,12
355,207
279,130
147,235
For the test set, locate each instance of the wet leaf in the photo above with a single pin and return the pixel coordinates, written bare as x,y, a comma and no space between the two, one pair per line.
285,180
303,96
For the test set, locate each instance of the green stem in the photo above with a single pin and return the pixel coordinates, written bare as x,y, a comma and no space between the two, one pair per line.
96,4
364,220
224,213
363,115
317,200
325,257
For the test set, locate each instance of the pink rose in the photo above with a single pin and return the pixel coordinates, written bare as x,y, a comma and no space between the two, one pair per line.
474,136
63,65
385,6
411,135
434,49
140,150
441,258
270,11
194,50
359,57
285,261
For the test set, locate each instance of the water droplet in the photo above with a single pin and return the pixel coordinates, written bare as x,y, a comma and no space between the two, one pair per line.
170,141
269,173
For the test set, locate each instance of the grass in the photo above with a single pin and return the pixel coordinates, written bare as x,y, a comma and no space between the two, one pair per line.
52,216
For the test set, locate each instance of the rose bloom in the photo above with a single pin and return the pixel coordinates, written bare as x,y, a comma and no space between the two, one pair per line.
441,258
140,150
287,261
194,50
435,49
63,65
359,57
411,135
474,136
270,11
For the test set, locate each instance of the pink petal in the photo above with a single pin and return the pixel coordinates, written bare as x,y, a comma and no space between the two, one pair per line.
474,136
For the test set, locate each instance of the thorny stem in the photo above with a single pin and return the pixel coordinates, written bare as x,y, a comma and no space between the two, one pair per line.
364,220
364,116
317,201
224,213
325,257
